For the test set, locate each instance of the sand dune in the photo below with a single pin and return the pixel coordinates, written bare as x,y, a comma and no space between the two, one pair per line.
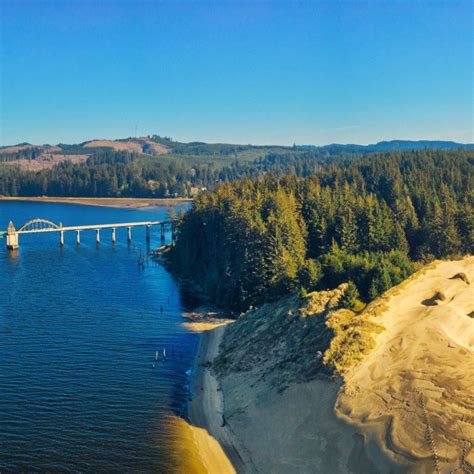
408,406
414,394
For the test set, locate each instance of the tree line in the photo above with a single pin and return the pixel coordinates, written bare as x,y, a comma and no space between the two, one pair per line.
365,221
126,174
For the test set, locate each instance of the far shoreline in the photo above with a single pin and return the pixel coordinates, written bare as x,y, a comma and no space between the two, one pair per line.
123,203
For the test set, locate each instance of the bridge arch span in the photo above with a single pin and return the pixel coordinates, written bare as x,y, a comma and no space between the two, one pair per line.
38,224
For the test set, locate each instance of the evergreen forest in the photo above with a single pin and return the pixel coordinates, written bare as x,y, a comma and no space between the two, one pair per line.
367,221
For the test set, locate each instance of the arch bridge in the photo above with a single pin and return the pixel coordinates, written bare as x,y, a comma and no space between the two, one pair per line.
36,226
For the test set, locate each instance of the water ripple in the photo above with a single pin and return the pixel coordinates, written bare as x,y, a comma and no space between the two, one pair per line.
78,333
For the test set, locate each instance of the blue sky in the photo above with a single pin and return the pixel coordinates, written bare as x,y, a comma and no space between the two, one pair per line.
245,71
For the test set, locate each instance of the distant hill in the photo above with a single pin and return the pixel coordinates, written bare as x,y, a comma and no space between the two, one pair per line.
418,145
155,166
37,157
393,145
156,145
22,147
138,145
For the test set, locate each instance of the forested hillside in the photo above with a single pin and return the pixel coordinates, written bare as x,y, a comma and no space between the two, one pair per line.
129,174
364,221
180,172
160,167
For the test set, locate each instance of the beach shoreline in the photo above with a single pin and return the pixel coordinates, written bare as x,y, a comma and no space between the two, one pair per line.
217,445
123,203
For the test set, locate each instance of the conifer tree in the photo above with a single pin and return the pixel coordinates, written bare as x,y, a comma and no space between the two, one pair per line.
350,296
380,282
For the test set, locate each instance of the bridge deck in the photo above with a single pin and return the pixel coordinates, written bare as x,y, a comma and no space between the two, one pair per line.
94,227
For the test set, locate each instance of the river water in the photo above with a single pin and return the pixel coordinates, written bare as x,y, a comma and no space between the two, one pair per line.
79,329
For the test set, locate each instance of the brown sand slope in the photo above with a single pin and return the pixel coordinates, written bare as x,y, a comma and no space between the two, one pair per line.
415,391
406,406
278,399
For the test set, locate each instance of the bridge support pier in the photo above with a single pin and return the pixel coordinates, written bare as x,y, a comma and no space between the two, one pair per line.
61,238
113,235
12,237
12,241
162,233
97,236
148,233
129,235
78,237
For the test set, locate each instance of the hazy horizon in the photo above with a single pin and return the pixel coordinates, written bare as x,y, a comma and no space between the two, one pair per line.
197,140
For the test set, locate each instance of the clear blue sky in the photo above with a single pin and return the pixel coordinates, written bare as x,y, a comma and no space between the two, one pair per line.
244,71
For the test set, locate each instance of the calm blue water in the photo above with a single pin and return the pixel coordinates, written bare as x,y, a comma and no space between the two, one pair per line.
79,328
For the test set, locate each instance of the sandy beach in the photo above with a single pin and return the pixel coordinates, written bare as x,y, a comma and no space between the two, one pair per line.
216,444
240,423
132,203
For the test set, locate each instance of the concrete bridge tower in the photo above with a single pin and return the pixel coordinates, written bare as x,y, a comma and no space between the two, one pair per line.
12,237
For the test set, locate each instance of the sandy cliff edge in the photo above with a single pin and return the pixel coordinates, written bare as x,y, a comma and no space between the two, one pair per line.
407,407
